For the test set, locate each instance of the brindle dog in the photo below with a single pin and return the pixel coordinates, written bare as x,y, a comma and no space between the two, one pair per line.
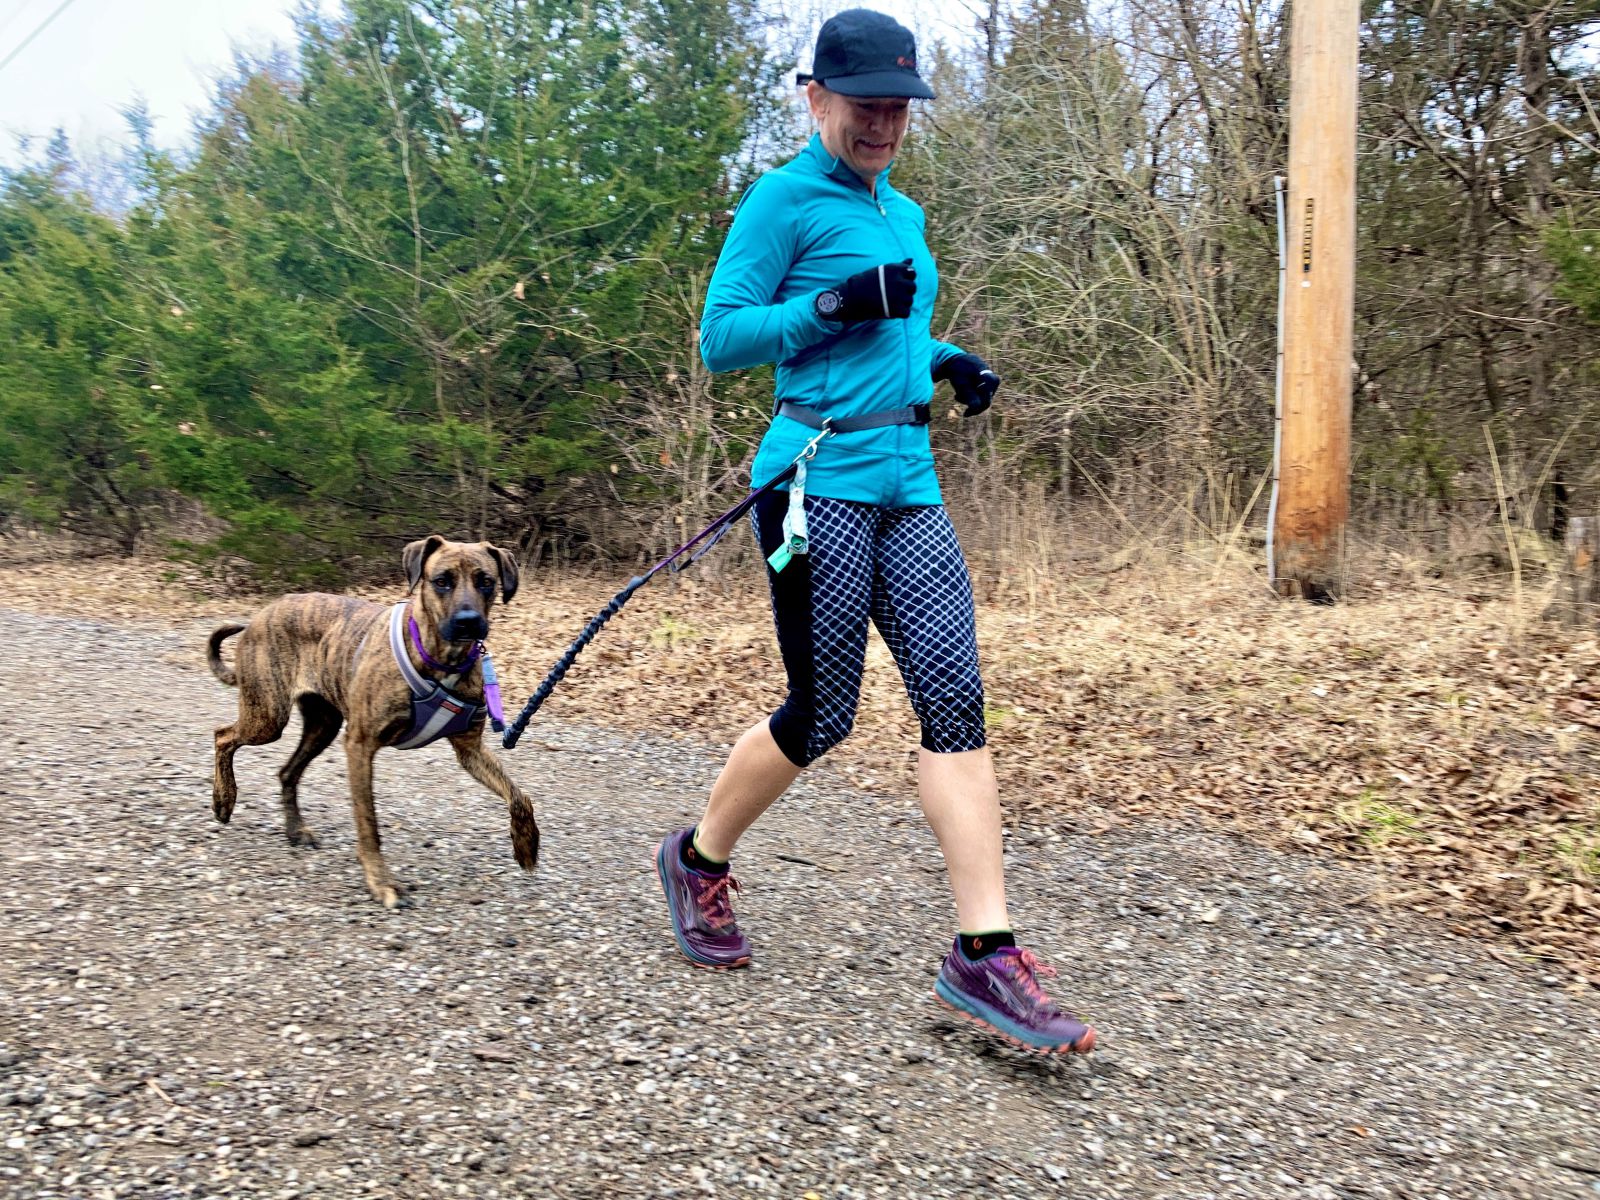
330,656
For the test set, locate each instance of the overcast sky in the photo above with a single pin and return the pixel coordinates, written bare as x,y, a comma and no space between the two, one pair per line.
95,57
99,54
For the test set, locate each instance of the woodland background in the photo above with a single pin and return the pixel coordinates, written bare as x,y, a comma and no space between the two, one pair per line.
439,268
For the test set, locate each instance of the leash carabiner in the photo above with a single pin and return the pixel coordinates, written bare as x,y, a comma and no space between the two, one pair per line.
810,450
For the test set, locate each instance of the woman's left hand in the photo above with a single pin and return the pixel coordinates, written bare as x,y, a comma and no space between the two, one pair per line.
975,383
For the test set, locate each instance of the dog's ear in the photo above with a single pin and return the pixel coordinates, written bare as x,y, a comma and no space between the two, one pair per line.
415,556
508,571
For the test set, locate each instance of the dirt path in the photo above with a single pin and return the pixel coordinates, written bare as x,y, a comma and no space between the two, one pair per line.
192,1010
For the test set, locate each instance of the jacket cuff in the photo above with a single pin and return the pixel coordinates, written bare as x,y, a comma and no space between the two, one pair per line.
943,352
802,327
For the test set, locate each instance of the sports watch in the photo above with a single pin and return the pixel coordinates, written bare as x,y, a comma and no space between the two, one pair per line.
828,303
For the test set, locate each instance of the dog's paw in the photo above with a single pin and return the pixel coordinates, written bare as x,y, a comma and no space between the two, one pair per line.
524,837
222,807
387,890
301,835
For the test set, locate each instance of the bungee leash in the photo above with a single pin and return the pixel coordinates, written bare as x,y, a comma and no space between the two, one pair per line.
700,543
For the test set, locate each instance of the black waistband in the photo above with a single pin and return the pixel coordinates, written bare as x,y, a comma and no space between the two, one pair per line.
916,414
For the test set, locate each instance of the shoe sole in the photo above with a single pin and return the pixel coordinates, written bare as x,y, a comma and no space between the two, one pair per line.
683,947
1082,1046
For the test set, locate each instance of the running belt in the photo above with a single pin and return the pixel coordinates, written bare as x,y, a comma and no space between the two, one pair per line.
913,414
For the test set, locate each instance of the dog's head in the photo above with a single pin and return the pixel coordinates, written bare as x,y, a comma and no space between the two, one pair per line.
455,583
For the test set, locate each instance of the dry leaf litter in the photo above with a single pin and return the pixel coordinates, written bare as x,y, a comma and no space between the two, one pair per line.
1224,817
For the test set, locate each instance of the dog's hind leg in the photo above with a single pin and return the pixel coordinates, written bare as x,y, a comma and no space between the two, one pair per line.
359,753
320,724
483,766
261,720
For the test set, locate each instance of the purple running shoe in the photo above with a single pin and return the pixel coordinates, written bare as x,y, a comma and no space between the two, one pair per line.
1002,993
701,909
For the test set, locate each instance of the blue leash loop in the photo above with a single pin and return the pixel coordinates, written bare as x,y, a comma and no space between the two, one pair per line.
700,543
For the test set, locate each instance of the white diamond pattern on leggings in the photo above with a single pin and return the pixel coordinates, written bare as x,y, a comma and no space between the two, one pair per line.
922,605
840,533
903,569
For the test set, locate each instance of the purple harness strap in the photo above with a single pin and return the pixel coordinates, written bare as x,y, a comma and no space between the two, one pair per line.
436,712
491,681
450,669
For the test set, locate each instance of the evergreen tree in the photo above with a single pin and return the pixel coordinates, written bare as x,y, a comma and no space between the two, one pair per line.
66,383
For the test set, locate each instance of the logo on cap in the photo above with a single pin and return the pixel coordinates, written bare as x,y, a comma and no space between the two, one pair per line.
908,62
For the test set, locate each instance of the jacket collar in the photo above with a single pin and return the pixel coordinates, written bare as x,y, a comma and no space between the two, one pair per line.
837,168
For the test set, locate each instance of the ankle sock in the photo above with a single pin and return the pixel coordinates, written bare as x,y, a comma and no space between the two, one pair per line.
980,945
691,857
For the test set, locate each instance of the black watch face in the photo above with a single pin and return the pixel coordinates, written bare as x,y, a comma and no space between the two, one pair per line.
828,303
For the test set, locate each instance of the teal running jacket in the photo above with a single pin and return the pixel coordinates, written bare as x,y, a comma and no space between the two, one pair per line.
800,229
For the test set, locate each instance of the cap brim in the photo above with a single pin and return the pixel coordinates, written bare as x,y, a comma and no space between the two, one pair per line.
873,84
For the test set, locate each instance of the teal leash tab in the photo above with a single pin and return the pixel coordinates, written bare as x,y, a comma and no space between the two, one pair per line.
795,542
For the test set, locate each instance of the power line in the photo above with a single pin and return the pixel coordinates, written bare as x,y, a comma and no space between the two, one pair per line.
42,26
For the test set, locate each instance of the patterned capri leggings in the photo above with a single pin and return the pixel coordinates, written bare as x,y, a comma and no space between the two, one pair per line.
899,567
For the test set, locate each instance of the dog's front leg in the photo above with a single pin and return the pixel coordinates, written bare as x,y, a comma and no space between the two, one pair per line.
359,754
484,766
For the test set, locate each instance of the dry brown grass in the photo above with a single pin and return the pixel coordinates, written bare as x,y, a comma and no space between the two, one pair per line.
1433,726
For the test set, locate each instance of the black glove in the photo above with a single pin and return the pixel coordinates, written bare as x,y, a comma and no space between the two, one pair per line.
974,382
881,293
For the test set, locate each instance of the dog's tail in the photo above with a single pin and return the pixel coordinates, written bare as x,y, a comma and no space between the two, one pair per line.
214,653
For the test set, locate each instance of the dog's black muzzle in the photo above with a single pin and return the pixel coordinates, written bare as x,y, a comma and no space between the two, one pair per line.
465,625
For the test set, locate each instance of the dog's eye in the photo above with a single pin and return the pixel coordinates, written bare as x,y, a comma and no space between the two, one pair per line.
485,584
444,582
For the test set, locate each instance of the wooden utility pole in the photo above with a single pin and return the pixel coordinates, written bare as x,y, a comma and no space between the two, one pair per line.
1311,495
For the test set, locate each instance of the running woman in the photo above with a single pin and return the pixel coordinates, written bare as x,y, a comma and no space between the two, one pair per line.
826,273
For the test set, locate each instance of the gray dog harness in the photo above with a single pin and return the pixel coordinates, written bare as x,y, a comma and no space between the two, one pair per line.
435,711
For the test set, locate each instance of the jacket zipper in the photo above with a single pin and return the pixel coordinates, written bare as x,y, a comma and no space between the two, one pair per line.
905,332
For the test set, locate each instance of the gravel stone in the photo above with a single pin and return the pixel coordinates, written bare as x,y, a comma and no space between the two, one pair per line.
192,1010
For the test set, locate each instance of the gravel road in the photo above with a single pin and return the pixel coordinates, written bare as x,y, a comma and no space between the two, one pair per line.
191,1010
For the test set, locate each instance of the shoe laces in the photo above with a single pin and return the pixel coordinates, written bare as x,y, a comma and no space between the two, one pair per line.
1025,969
714,903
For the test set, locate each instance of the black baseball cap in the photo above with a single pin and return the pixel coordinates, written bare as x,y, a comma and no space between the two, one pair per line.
865,53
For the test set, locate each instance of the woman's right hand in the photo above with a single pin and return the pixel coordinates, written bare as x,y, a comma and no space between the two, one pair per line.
974,381
880,293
